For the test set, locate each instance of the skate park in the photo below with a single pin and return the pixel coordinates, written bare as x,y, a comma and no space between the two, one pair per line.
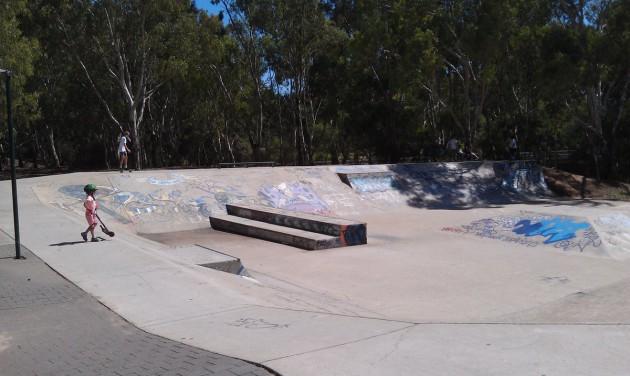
468,268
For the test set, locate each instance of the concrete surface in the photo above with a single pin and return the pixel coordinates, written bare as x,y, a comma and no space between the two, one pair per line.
50,327
469,268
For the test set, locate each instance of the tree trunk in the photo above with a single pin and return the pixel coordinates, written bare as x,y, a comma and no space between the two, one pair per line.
53,150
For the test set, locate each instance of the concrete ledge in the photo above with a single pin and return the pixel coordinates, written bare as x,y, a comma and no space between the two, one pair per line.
279,234
373,181
216,260
247,164
350,232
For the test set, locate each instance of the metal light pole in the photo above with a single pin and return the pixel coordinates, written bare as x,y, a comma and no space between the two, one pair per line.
16,221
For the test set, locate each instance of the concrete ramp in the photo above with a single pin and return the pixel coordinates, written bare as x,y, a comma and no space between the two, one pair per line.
526,287
152,202
535,230
614,230
447,185
307,231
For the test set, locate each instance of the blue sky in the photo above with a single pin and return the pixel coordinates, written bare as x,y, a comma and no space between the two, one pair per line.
205,4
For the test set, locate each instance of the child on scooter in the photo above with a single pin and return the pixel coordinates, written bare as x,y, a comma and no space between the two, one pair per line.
90,205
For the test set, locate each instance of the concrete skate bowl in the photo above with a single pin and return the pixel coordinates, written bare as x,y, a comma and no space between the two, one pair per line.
152,202
425,275
158,202
444,264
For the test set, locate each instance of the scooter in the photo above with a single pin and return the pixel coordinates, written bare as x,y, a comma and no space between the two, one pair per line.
467,155
104,228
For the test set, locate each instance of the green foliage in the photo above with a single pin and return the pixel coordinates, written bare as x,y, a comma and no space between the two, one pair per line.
306,81
18,54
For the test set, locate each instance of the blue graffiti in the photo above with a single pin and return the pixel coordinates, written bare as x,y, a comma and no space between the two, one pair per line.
176,179
368,183
354,235
557,229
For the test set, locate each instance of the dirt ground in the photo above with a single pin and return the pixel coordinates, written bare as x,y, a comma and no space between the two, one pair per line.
562,183
566,184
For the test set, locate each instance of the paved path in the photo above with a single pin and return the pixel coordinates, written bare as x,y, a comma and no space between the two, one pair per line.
57,329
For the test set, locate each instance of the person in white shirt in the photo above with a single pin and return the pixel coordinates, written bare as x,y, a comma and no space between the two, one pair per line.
453,148
123,151
513,147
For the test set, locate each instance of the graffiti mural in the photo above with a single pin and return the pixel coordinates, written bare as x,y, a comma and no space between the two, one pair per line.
75,191
175,179
525,180
71,198
555,229
161,206
353,235
533,230
373,182
149,202
220,194
294,196
378,187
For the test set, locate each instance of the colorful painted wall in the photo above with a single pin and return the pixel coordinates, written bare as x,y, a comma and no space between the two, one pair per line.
183,200
448,185
156,202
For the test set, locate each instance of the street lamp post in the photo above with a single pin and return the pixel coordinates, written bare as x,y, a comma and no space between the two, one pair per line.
16,221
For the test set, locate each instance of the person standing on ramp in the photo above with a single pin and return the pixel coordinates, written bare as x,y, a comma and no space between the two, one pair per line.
123,151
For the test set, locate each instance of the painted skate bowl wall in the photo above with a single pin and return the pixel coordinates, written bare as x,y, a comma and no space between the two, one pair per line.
149,202
168,201
447,185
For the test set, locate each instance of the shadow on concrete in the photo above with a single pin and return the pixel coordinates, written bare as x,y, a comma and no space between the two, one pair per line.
468,185
581,202
63,244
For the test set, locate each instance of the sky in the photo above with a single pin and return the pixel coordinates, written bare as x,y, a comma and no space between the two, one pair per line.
205,5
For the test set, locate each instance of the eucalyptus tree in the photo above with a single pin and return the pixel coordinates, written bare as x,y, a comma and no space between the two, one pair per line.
300,32
471,37
617,46
120,57
60,89
246,19
517,102
589,40
18,53
329,79
231,102
387,57
180,120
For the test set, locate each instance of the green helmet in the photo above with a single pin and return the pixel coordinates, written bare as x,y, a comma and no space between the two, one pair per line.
89,188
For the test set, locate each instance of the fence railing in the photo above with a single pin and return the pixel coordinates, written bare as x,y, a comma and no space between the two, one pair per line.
554,156
247,164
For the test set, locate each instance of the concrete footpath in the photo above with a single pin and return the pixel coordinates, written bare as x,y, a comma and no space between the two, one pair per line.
49,326
459,277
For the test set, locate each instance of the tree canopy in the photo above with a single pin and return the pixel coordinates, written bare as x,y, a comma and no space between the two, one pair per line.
317,81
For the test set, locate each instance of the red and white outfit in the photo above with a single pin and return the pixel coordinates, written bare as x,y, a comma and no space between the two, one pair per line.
90,210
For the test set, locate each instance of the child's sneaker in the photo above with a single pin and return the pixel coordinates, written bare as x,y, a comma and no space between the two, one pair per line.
94,240
84,236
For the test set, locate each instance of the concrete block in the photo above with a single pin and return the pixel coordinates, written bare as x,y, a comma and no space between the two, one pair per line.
279,234
349,232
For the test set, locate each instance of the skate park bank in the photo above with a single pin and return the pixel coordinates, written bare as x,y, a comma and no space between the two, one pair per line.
468,268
